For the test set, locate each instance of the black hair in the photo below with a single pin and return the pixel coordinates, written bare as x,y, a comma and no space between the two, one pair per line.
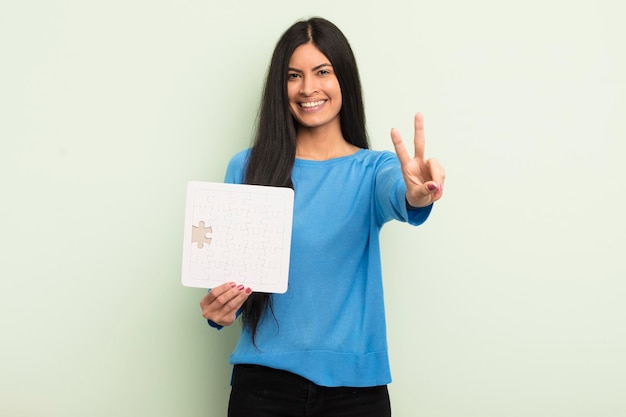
273,149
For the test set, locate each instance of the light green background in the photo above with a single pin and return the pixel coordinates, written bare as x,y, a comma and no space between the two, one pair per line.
509,301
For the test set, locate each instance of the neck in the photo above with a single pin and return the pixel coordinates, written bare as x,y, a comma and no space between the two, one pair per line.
320,145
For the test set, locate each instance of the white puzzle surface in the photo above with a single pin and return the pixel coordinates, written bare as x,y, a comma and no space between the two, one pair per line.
236,232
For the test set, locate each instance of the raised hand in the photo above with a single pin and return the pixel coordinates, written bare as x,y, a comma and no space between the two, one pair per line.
221,304
424,178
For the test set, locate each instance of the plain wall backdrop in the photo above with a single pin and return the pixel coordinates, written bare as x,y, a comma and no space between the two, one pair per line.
509,301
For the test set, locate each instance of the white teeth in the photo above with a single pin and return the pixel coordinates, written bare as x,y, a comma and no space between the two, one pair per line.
312,104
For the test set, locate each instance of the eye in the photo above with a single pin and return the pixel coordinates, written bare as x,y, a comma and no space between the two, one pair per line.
323,72
292,76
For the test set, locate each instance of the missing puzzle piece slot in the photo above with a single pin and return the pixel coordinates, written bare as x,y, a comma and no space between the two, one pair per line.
200,234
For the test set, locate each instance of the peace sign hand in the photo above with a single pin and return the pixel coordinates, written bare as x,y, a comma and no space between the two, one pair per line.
424,178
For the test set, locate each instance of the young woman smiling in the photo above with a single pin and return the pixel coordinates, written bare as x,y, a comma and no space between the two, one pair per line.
320,349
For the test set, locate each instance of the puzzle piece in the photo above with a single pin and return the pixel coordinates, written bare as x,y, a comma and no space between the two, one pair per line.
200,234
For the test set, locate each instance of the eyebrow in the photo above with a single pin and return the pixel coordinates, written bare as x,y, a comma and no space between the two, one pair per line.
315,68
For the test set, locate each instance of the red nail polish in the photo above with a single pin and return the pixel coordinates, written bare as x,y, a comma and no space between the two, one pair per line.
240,287
248,290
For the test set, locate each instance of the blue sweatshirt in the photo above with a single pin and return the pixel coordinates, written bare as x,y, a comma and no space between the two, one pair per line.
329,326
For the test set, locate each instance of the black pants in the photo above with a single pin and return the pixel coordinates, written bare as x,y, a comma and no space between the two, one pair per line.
258,391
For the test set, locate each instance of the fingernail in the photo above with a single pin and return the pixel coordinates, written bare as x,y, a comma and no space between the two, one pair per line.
248,290
432,187
232,284
240,287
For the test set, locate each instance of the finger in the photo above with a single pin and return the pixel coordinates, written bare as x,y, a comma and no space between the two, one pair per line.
436,171
223,308
437,176
241,298
217,292
398,145
228,300
227,313
422,195
419,141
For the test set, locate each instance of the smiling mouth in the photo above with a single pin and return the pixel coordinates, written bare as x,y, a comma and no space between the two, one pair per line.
312,104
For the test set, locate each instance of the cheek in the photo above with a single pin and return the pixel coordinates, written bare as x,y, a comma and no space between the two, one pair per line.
291,100
338,98
336,89
293,111
292,90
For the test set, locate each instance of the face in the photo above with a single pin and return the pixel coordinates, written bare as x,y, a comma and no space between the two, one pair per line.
313,88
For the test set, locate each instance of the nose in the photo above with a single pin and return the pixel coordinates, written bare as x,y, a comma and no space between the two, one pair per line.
309,85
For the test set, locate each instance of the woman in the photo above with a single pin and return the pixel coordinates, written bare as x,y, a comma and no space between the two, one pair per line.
320,348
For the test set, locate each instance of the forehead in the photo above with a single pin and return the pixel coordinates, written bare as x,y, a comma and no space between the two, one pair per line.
307,55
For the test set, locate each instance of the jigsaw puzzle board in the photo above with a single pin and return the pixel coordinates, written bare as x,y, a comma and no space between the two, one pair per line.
236,232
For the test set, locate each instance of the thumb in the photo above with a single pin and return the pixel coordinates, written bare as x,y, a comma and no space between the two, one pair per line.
423,195
431,187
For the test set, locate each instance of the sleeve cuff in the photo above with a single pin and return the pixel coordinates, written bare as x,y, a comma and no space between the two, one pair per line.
417,215
214,325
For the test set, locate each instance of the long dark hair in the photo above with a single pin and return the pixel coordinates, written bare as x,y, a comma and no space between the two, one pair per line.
274,147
